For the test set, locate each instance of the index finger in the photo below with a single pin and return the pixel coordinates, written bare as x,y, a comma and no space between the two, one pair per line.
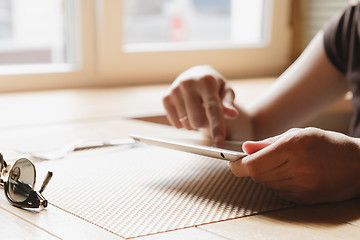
215,115
209,89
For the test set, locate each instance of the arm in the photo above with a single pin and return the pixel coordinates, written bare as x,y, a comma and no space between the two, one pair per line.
308,86
206,99
302,165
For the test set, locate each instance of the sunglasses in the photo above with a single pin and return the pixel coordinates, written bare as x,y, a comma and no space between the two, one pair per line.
19,187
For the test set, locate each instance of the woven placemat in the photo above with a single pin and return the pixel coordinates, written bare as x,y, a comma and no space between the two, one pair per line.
149,190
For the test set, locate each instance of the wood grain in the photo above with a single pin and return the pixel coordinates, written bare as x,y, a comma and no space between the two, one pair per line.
36,121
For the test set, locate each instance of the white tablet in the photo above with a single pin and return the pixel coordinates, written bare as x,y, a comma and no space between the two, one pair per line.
208,151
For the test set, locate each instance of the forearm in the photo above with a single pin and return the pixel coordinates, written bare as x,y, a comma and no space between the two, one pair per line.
309,85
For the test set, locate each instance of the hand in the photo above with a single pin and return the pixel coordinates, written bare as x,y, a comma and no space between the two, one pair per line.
305,165
201,98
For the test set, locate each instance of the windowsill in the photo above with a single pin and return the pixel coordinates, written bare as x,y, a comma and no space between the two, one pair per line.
22,69
189,46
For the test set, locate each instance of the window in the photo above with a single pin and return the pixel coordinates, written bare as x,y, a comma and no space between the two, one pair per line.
309,17
319,13
44,45
30,34
5,19
193,24
80,43
162,57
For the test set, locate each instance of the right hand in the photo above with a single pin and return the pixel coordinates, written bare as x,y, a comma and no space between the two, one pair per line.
201,98
307,165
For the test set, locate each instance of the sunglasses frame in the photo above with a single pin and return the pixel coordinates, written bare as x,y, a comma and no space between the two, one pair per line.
35,198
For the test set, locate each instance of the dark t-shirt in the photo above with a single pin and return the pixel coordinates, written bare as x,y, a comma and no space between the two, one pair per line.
342,46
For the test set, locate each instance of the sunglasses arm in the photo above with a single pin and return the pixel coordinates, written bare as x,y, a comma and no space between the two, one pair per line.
46,181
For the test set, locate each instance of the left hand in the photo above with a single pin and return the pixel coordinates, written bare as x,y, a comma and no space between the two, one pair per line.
305,165
201,98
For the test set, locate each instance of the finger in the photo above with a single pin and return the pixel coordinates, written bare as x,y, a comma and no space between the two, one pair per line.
278,173
209,91
241,169
194,107
178,102
238,169
251,147
171,112
269,155
276,138
215,116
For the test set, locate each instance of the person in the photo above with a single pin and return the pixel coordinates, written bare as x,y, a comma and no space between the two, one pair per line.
304,165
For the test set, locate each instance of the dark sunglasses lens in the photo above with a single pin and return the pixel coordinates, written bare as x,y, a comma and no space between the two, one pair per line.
21,180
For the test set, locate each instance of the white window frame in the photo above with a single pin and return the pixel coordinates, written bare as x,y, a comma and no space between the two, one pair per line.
105,63
56,76
119,67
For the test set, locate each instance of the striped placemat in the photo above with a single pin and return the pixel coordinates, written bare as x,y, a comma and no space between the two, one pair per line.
149,190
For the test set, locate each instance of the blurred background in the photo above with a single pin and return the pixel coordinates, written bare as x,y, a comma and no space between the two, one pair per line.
32,31
105,42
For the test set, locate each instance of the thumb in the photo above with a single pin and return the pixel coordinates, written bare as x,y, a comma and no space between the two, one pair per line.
251,147
238,168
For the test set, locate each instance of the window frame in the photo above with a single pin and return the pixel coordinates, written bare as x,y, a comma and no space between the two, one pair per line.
105,63
30,77
119,67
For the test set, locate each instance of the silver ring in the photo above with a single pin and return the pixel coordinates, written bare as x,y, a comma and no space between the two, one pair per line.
183,119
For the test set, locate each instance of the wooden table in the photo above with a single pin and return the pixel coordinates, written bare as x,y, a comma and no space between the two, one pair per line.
35,121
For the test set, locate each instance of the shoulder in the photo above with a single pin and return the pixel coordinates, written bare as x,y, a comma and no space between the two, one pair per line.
339,35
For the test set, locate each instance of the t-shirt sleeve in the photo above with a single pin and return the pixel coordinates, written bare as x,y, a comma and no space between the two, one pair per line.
337,38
